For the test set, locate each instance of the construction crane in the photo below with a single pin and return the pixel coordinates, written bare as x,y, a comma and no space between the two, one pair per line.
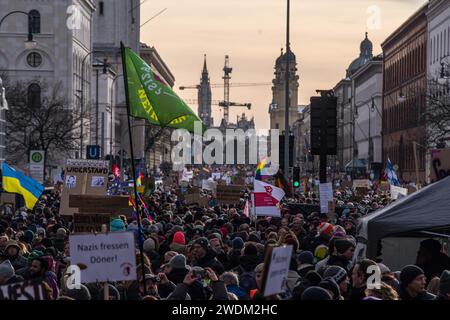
232,85
221,103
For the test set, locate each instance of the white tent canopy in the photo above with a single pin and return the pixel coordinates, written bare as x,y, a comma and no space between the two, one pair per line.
426,211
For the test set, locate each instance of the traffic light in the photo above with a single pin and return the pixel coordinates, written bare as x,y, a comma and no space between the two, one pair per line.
296,177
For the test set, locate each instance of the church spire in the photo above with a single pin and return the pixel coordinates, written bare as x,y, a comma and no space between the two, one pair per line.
205,68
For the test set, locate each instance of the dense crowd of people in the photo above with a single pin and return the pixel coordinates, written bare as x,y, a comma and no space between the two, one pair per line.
217,252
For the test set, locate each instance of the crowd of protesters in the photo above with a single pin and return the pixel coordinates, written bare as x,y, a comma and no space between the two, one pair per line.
217,252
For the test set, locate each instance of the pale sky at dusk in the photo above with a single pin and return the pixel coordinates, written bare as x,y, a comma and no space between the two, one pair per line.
325,37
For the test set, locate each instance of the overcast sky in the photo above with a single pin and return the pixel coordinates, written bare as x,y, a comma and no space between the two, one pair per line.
325,37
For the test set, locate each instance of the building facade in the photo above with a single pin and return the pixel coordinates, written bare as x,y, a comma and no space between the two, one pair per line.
346,110
278,106
404,96
62,30
367,84
438,60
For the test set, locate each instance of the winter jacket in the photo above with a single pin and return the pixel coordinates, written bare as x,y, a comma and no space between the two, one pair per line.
238,291
339,261
292,278
14,279
165,290
210,261
50,278
247,264
177,275
233,259
424,295
357,293
18,262
182,290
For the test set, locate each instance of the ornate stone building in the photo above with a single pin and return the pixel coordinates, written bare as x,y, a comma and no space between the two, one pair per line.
278,105
204,98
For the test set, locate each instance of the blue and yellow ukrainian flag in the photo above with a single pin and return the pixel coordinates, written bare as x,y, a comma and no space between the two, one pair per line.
16,182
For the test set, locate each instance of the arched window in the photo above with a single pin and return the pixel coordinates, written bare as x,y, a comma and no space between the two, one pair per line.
34,95
34,21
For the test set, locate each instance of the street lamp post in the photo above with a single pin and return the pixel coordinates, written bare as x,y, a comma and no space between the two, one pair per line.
30,43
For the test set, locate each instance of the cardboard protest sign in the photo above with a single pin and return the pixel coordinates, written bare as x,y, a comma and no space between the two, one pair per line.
396,191
216,175
104,257
192,198
90,222
362,183
276,269
100,204
8,198
440,164
229,194
326,195
28,290
83,177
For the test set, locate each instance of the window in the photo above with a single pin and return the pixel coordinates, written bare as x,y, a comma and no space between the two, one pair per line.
34,59
34,95
34,21
101,8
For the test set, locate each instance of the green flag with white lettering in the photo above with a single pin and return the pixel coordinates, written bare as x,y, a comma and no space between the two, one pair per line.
152,99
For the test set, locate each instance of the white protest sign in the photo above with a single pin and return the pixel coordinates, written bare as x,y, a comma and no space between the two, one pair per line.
209,185
23,291
187,175
277,273
104,257
396,191
326,195
216,175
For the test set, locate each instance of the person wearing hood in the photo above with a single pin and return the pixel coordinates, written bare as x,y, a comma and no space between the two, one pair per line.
205,256
231,281
12,251
237,244
444,286
215,242
7,274
412,284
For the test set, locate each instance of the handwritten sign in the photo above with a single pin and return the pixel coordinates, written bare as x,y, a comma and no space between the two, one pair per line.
104,257
326,195
27,290
277,271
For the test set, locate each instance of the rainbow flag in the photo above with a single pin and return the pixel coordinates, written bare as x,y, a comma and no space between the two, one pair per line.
259,169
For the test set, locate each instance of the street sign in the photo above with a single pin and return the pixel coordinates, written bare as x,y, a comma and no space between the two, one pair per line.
37,165
93,152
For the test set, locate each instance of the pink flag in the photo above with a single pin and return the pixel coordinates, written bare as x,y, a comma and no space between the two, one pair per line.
246,210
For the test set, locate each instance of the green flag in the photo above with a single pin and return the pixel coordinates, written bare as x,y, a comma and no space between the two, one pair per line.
152,99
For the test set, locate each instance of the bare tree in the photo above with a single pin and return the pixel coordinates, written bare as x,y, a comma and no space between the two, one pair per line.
40,123
437,113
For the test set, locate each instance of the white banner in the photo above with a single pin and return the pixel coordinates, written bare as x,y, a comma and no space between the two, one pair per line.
267,199
278,270
104,257
396,191
326,195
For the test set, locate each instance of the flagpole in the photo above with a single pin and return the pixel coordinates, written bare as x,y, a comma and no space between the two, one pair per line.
138,213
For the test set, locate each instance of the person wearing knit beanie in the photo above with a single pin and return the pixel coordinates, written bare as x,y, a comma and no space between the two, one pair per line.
178,262
340,276
6,272
444,286
412,284
332,287
237,243
117,225
315,294
178,242
149,245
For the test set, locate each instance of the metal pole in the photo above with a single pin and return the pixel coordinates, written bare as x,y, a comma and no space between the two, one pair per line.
370,139
288,98
416,164
96,108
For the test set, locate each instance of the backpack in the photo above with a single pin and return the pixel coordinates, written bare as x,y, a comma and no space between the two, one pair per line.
247,281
